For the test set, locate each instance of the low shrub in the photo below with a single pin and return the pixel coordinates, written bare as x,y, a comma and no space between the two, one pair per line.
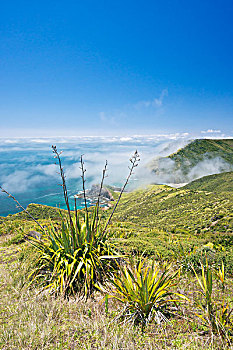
216,316
215,258
17,239
74,259
145,291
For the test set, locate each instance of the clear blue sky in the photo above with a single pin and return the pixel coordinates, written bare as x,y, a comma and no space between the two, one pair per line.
83,67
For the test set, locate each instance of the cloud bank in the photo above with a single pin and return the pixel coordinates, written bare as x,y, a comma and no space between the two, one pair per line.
27,164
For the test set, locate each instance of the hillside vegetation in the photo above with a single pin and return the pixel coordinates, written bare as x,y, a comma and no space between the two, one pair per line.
167,209
200,149
158,219
200,157
216,183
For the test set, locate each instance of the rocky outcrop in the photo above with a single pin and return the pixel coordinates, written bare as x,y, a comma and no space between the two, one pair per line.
33,234
94,192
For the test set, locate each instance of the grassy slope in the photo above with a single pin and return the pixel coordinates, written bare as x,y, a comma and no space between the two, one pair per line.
168,209
195,150
198,150
20,222
216,183
154,215
153,218
172,222
38,211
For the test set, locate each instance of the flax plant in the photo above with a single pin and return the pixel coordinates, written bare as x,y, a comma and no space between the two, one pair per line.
221,276
206,284
216,317
145,291
78,257
74,260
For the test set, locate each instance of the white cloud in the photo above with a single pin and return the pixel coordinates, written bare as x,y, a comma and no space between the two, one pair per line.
167,172
10,141
108,119
40,140
126,139
159,101
211,131
21,181
209,167
48,169
156,102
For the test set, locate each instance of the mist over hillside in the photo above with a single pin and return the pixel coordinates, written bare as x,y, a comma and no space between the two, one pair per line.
199,158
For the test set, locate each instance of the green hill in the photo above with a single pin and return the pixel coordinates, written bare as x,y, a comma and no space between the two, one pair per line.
153,219
177,210
166,221
205,205
199,158
213,183
201,149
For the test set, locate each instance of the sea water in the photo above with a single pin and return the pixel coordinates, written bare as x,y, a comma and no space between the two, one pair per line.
28,170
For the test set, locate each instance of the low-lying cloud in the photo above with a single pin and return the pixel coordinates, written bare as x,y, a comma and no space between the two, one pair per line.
21,181
166,170
211,131
30,165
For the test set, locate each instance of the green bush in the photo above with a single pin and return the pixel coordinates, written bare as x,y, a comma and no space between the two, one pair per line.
17,239
145,291
74,260
215,259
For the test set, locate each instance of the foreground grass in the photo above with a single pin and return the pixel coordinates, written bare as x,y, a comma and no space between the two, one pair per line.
31,319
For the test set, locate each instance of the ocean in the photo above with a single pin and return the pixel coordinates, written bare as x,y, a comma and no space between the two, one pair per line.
28,170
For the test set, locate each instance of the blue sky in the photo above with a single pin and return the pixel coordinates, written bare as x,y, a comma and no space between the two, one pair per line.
116,67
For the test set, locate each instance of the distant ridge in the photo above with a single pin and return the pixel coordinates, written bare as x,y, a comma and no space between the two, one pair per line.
213,183
209,148
199,158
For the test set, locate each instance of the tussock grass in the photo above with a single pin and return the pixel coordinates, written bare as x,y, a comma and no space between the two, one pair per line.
31,319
